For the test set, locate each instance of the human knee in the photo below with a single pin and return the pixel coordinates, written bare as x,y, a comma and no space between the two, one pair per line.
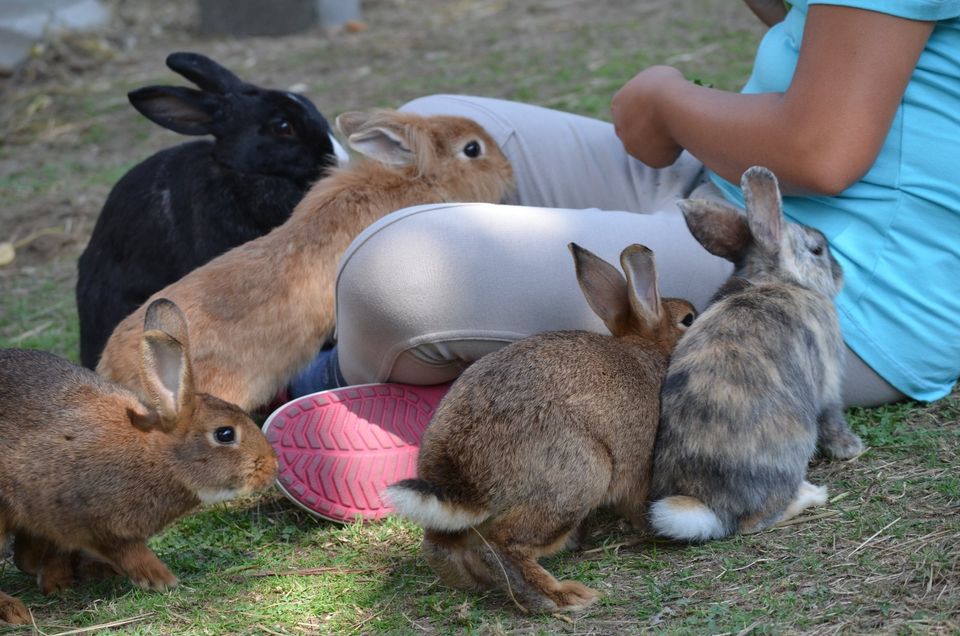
395,262
397,287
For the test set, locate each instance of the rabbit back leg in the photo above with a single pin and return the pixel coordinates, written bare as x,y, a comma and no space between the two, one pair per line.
30,552
835,438
532,586
456,560
807,496
514,543
56,573
39,557
744,499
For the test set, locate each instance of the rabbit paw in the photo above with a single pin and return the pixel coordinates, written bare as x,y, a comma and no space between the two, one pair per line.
12,610
155,576
573,596
842,445
55,576
143,568
835,438
809,495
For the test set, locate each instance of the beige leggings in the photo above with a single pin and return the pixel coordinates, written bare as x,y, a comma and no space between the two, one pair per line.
427,290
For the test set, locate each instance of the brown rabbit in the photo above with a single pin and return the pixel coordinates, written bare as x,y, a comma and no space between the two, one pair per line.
87,467
533,437
261,311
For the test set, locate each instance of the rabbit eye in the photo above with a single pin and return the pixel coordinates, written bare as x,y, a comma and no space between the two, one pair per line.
225,435
816,250
282,128
472,149
687,320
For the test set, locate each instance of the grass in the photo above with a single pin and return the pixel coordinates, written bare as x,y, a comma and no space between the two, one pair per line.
41,315
881,557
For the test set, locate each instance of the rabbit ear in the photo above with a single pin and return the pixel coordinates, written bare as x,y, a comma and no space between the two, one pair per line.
204,72
351,121
144,418
761,195
722,229
383,145
643,291
165,370
377,137
183,110
604,288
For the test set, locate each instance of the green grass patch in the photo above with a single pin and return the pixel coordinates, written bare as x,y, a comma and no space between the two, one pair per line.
43,316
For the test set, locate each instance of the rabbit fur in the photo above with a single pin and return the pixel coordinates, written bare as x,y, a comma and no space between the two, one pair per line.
187,204
533,437
261,311
89,468
754,386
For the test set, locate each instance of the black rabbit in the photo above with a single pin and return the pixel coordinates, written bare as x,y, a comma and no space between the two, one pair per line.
185,205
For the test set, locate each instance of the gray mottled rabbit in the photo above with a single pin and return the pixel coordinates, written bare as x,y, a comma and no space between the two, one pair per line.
533,437
755,383
87,468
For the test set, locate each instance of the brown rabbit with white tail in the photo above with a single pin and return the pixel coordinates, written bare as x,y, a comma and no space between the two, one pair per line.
88,468
261,311
533,437
755,384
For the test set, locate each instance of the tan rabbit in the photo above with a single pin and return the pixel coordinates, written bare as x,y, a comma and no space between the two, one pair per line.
533,437
261,311
88,468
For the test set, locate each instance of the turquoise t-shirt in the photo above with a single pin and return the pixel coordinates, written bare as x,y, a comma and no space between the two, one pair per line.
896,232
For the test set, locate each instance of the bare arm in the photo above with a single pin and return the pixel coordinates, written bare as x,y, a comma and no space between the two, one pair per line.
820,136
769,11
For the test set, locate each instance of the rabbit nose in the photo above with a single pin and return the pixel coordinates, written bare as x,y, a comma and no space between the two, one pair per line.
342,157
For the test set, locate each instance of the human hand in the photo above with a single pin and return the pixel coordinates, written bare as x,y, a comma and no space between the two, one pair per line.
638,119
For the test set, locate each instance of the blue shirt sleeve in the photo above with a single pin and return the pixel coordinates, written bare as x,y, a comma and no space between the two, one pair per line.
912,9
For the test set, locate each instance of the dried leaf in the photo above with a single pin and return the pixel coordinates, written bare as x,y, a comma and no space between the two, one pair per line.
7,253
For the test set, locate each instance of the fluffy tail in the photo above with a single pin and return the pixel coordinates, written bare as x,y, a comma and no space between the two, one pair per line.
686,519
426,505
